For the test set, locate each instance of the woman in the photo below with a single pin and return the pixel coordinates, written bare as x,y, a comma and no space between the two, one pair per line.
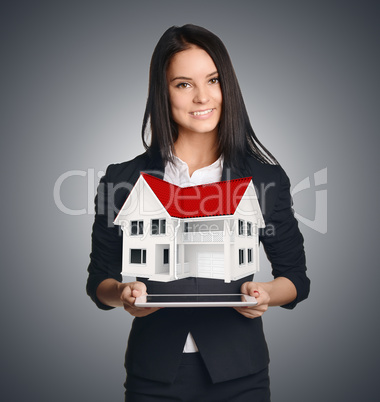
200,133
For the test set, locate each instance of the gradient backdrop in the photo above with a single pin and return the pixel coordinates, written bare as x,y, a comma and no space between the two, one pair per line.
73,88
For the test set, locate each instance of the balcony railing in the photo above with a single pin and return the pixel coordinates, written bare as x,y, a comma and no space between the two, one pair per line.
203,237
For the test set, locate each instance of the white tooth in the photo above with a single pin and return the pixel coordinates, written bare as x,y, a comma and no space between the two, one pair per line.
202,113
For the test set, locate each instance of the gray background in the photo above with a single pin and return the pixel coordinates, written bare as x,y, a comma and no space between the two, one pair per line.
73,89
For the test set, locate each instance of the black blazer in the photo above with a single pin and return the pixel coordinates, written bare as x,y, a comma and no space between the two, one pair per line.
231,345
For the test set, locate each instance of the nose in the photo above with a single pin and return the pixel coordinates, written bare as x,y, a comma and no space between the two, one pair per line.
201,95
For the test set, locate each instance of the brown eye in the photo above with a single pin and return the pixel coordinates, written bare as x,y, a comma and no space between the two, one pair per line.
183,85
214,80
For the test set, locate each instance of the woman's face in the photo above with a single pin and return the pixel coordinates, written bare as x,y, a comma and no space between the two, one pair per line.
194,91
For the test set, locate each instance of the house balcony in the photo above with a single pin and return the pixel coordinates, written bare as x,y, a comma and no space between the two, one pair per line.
205,237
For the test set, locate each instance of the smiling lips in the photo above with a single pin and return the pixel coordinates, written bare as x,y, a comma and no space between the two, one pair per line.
202,112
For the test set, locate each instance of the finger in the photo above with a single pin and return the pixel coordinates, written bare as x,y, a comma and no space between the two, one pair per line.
138,289
248,313
253,290
252,312
142,312
250,288
126,293
245,287
127,297
131,291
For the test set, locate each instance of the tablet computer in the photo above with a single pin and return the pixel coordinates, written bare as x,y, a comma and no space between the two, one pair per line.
195,300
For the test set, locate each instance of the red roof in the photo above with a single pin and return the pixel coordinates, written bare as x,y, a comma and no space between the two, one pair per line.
214,199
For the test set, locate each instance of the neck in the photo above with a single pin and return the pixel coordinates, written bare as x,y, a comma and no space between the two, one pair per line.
197,151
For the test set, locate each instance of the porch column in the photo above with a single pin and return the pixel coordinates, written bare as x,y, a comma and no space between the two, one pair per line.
256,248
173,250
172,253
181,260
227,252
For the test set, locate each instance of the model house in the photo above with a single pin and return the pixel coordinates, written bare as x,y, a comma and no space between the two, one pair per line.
208,231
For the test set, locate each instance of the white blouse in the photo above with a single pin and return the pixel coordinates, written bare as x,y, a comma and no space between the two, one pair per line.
178,173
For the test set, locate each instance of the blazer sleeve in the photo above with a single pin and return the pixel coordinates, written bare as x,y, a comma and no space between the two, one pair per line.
106,249
283,242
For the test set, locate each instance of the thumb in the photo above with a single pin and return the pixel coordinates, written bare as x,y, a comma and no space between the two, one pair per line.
245,287
251,289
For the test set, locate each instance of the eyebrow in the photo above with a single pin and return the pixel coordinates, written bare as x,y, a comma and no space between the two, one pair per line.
188,78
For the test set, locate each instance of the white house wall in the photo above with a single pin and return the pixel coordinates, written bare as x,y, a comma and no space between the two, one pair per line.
142,205
245,242
249,208
147,242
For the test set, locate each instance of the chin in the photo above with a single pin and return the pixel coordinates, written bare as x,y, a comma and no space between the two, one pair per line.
205,131
205,128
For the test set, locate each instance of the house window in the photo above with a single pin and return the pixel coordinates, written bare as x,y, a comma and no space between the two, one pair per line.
158,226
162,226
249,229
250,253
241,227
137,228
241,256
166,256
138,256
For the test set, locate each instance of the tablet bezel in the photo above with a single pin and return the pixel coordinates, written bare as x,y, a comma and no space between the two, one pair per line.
249,301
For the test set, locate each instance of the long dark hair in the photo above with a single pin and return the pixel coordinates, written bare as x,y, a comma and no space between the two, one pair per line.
236,136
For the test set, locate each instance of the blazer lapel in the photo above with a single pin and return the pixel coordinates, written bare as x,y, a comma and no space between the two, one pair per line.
236,173
155,165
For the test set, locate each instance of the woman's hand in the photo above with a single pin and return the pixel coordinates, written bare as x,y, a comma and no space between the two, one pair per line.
129,292
278,292
116,294
262,296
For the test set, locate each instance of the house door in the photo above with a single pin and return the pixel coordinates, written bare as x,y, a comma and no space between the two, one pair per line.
210,264
162,265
